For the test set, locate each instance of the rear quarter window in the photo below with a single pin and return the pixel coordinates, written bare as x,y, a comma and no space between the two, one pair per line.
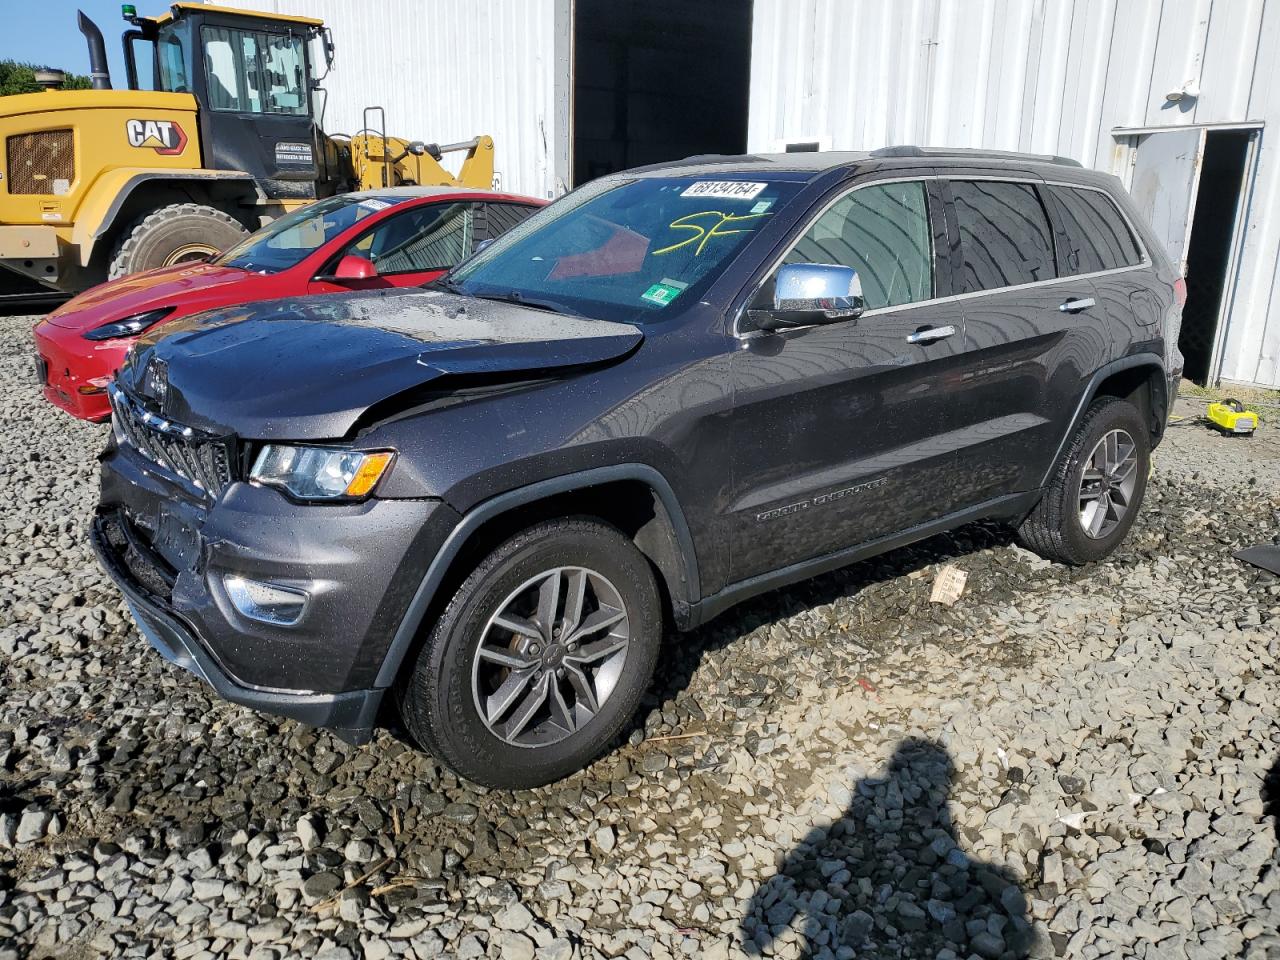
1091,233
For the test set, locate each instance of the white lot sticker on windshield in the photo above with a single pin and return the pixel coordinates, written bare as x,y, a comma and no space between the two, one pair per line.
373,204
729,189
762,206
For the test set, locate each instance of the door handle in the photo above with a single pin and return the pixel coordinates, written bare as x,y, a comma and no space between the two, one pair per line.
1077,304
930,334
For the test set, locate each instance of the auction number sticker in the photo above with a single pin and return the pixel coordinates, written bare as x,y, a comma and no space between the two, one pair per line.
728,189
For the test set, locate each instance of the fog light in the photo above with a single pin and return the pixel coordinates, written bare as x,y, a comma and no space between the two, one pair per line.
265,602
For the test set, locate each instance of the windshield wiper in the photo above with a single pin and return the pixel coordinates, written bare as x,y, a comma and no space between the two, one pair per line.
520,300
445,282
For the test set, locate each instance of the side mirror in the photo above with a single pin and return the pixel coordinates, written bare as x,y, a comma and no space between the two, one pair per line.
482,244
805,294
352,267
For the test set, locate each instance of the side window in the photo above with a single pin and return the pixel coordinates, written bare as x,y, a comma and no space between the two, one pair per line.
252,72
1004,235
171,62
882,231
495,219
1091,233
222,69
432,237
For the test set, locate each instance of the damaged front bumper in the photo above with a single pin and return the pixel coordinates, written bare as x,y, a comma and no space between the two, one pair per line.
173,551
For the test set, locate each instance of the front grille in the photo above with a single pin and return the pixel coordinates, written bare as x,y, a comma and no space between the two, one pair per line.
42,162
200,458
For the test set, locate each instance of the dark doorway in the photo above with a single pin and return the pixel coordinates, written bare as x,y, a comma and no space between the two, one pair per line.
1212,243
657,80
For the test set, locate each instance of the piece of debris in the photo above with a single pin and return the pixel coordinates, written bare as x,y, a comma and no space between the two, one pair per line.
1265,556
948,585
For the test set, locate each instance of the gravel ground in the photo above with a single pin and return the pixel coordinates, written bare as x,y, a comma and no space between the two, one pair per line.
1065,763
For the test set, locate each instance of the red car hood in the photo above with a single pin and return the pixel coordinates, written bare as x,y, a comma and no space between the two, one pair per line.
196,286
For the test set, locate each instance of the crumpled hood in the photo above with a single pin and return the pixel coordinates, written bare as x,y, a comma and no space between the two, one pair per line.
306,368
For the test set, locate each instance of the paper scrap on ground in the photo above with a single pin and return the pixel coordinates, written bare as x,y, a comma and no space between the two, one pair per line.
948,585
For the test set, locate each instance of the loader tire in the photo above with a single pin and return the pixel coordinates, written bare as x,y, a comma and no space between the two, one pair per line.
173,234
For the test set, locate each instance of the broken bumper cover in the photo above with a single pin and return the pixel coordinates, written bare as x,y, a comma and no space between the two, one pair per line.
351,715
173,552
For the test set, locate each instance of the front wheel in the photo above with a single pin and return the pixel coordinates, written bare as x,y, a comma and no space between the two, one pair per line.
179,233
1096,491
540,658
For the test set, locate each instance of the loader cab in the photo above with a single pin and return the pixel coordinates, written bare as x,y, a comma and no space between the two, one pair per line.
251,76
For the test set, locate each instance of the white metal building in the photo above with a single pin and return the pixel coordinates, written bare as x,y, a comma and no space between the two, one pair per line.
1171,95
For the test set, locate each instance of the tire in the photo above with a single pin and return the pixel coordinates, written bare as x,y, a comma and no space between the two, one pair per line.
1056,528
171,235
442,696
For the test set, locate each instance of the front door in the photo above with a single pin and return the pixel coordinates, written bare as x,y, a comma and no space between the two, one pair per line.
256,114
408,248
841,430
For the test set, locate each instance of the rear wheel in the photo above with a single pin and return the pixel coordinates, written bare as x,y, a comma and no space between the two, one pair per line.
174,234
1096,491
540,659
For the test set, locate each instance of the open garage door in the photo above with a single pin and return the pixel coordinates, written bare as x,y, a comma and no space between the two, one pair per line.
657,80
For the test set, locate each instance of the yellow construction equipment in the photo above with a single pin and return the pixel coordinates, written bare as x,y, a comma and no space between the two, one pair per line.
100,183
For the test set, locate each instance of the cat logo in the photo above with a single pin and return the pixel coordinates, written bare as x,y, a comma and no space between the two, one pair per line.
165,137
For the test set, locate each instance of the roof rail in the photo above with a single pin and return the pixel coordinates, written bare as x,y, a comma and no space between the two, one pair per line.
907,150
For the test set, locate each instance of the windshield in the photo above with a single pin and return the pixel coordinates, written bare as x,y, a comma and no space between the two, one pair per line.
291,239
625,250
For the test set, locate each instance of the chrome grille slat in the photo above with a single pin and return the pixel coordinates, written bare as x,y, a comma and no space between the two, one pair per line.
201,459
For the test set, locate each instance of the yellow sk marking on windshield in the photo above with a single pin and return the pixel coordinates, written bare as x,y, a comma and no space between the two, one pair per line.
700,233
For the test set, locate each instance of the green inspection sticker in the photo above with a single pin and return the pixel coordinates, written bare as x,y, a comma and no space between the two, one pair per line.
663,292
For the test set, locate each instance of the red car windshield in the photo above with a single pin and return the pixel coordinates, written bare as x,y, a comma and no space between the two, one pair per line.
291,239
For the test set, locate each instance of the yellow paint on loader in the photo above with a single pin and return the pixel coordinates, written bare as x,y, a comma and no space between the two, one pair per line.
77,166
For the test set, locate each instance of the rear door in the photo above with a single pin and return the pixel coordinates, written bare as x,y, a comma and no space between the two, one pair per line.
1031,337
840,431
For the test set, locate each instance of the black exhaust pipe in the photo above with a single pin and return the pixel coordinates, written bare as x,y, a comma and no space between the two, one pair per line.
99,72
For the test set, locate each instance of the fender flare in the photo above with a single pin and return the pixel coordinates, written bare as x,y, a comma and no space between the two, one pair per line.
96,216
521,496
1102,373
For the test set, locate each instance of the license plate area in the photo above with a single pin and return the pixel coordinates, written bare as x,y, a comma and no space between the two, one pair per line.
40,368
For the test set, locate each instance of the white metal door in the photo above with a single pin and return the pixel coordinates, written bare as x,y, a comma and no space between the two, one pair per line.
1166,175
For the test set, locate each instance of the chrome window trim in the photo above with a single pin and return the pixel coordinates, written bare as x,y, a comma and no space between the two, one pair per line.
1145,263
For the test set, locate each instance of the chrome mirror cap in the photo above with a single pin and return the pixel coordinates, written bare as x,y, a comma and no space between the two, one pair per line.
812,293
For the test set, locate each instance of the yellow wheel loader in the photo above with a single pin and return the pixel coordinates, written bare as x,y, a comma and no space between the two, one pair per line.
96,184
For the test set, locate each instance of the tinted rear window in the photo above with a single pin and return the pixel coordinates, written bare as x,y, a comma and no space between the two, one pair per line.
1004,234
1092,233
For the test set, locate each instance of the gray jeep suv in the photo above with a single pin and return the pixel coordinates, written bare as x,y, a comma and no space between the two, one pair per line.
481,503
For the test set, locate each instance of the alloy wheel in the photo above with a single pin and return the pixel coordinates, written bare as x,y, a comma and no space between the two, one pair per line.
550,657
1107,484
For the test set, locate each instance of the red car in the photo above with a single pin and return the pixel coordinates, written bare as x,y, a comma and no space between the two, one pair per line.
398,237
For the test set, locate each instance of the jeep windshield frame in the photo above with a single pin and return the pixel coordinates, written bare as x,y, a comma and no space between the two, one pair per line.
629,250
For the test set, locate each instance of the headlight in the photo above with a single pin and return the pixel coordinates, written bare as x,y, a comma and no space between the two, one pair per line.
320,473
129,326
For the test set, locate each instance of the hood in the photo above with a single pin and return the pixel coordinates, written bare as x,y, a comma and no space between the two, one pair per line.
307,368
140,292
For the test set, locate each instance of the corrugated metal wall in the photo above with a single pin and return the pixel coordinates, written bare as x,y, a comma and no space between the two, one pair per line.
446,71
1047,76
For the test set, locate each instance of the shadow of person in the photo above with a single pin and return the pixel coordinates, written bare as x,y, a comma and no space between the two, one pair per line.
889,880
1271,797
